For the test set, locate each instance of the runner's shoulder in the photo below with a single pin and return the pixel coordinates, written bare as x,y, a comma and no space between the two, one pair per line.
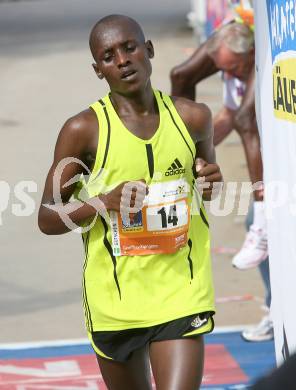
80,129
196,116
82,124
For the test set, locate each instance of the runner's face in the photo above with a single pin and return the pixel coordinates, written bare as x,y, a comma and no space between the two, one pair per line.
235,65
123,59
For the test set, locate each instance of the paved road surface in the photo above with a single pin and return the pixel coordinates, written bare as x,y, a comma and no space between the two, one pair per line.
36,26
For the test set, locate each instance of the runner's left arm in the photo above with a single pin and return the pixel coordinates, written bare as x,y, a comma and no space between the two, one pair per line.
198,120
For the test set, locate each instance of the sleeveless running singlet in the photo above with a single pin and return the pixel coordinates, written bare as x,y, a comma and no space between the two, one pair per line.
157,268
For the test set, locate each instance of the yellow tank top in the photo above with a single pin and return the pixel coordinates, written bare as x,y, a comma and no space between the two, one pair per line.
159,269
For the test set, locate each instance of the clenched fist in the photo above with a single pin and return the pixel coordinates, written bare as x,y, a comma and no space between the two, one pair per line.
209,178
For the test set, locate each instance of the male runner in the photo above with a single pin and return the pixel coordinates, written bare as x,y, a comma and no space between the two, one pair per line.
231,50
147,284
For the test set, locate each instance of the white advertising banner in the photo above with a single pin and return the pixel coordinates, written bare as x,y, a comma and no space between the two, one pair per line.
275,26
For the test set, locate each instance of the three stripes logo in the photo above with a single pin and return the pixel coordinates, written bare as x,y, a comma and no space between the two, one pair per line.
176,168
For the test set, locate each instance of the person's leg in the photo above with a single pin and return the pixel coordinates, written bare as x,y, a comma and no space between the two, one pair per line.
131,375
264,329
177,364
255,247
264,271
250,217
264,266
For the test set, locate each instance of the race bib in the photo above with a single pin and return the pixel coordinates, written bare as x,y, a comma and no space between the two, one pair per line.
160,227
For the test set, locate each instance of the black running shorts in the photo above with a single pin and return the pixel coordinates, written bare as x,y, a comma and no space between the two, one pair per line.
119,345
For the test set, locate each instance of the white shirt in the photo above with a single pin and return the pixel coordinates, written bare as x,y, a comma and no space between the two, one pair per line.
233,92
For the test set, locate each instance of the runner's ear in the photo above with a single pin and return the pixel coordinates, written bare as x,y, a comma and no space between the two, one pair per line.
98,72
150,48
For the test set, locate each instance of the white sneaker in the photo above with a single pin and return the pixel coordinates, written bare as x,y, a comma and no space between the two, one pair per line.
262,332
253,251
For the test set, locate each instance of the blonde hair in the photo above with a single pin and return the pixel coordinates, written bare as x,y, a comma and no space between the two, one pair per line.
238,37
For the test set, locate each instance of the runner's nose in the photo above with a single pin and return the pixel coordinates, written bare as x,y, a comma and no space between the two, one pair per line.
122,59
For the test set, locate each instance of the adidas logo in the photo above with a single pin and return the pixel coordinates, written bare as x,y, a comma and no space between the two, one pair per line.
199,322
176,168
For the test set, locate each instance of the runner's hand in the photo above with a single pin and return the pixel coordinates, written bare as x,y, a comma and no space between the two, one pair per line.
127,198
209,179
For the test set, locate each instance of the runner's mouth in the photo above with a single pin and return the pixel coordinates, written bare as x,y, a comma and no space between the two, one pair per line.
128,74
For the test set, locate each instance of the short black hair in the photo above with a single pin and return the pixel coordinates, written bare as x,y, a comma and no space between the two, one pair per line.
109,20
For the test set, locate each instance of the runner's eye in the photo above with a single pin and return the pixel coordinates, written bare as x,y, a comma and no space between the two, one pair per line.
107,57
130,48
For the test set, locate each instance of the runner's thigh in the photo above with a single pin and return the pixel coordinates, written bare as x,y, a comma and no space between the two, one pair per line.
177,364
131,375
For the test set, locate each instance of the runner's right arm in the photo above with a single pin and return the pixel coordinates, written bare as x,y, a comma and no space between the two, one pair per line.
77,142
72,143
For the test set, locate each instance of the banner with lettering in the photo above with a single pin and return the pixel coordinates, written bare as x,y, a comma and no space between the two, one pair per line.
275,30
